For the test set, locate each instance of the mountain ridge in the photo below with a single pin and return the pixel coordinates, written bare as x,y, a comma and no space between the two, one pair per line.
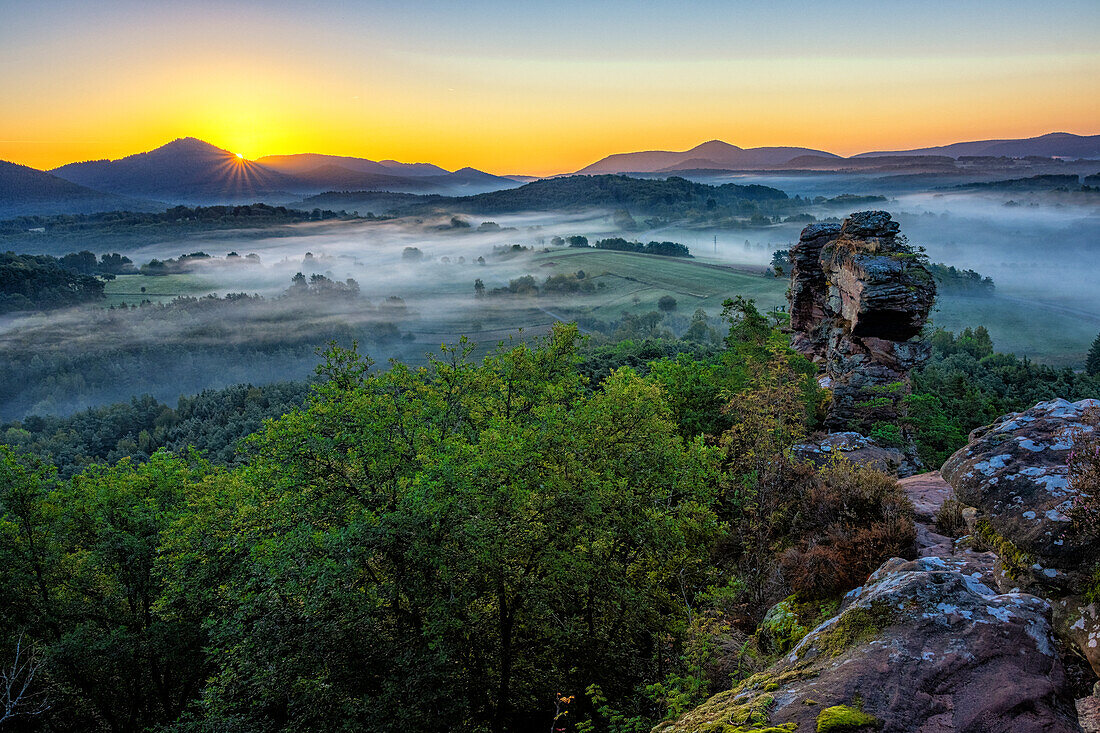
1052,144
26,190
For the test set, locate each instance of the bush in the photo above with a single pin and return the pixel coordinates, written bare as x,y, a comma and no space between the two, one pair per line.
949,519
667,303
855,518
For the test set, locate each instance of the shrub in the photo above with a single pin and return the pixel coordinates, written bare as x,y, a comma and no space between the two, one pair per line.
949,519
667,303
854,519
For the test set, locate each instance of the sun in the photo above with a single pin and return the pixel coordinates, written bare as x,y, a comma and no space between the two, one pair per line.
241,156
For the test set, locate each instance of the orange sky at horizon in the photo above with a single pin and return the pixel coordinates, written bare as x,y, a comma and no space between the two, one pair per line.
267,80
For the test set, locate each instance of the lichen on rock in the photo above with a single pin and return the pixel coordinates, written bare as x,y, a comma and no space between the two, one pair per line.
924,646
1014,475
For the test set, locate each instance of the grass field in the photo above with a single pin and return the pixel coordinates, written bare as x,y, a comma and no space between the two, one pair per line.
1042,332
647,278
445,306
159,289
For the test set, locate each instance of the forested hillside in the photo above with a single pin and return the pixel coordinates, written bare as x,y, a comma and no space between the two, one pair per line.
468,545
41,281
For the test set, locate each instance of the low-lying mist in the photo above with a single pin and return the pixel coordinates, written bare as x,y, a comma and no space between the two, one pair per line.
415,290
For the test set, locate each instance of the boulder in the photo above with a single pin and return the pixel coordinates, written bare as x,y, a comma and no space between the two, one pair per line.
922,646
1077,621
1014,473
859,300
820,448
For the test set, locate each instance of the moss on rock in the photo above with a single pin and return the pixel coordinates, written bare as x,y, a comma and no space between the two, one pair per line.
1014,560
853,626
842,718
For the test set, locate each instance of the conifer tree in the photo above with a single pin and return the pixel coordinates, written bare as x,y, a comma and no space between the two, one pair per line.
1092,362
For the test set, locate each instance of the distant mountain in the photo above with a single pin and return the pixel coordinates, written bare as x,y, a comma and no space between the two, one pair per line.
1052,145
570,193
710,155
194,172
302,163
815,162
1046,182
332,177
183,171
413,169
26,191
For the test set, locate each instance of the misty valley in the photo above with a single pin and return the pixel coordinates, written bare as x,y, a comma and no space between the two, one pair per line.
207,296
713,441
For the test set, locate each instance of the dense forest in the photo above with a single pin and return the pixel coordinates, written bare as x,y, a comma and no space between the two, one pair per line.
258,212
41,281
119,229
595,528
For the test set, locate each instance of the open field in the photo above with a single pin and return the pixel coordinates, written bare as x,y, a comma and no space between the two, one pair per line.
132,289
443,306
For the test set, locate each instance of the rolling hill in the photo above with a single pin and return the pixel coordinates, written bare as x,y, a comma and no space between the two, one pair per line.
300,163
710,155
331,177
569,193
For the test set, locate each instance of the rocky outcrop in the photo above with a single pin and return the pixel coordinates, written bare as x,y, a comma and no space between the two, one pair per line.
1014,476
820,448
984,632
859,300
922,646
1014,473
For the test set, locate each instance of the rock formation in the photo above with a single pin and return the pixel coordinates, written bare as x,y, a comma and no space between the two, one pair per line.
1013,476
859,298
984,632
819,449
921,646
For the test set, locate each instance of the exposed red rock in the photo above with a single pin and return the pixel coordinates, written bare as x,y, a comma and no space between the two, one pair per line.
859,298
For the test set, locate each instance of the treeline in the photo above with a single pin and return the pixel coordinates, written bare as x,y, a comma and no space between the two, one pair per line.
252,213
40,281
527,285
950,279
665,249
966,384
107,266
212,422
185,263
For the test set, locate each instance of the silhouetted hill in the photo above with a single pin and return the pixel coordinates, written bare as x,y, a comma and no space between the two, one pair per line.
330,177
184,170
300,164
1052,145
25,191
714,154
1046,182
414,169
560,194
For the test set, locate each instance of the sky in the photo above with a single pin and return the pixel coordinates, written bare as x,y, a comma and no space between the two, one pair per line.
537,87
